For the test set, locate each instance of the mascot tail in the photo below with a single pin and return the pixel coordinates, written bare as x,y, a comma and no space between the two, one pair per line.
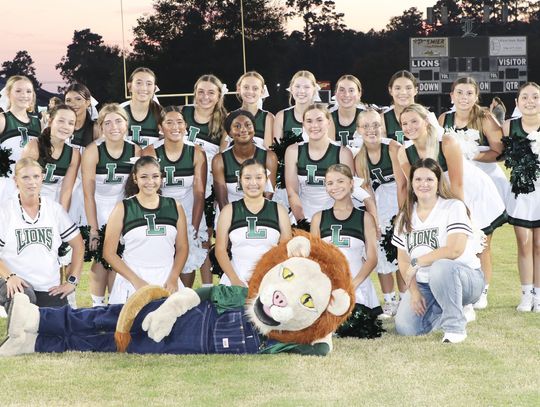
132,307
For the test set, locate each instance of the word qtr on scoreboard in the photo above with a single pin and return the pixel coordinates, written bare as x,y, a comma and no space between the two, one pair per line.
499,64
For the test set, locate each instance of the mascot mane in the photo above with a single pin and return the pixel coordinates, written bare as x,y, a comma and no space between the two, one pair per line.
332,263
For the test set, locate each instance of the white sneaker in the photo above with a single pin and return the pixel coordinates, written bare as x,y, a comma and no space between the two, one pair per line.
526,304
450,337
389,309
469,312
3,313
482,302
536,304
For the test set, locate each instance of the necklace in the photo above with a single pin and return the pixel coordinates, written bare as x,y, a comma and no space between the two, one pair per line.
22,212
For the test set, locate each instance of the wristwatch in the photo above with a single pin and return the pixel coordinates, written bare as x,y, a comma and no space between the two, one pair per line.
414,263
73,280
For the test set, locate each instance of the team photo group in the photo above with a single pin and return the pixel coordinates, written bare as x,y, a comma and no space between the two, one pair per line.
172,196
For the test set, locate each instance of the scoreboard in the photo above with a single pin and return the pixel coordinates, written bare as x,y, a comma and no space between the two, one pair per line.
499,64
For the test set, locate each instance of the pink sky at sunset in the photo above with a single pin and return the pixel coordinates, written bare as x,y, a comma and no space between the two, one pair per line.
45,29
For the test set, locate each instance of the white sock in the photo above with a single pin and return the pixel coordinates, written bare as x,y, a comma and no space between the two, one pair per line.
207,285
389,296
526,288
486,288
97,300
537,292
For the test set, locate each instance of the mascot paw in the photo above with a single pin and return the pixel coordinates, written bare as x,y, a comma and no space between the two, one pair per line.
23,316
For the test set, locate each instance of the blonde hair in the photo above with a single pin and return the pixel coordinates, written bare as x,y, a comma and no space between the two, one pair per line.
215,127
249,74
351,78
111,108
303,74
317,106
9,86
361,159
433,137
26,162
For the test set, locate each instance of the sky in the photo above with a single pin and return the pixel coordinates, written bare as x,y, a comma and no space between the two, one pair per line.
45,28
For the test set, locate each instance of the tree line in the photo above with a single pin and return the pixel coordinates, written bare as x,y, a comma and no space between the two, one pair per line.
182,39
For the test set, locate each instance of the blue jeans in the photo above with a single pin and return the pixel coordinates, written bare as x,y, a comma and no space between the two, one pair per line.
451,286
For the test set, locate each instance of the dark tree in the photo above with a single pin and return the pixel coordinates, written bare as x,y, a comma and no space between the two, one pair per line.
409,23
319,17
22,64
89,61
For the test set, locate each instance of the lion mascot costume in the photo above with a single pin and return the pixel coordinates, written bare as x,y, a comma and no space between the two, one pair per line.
299,293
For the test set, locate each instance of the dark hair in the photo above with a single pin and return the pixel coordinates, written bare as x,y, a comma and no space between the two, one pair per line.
478,113
249,162
131,187
403,74
233,115
80,89
44,140
404,222
169,109
153,107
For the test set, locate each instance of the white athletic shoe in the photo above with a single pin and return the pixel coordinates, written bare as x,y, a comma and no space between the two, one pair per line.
482,302
536,304
450,337
526,304
3,313
389,309
469,312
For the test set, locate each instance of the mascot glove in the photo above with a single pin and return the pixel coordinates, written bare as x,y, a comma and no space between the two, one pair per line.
159,323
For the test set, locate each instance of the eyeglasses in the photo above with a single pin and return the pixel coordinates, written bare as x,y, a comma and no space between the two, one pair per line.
373,126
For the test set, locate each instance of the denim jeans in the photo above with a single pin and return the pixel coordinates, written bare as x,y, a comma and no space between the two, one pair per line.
451,286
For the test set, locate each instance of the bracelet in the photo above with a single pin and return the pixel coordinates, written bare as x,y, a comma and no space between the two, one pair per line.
11,275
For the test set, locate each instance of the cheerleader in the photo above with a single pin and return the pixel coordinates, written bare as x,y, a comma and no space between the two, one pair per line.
251,91
252,225
469,115
78,97
307,162
476,189
378,165
204,121
240,125
184,168
524,209
348,94
105,166
143,112
350,229
403,88
17,126
59,160
153,230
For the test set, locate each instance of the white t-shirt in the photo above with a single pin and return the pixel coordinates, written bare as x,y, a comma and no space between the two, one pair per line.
448,216
29,247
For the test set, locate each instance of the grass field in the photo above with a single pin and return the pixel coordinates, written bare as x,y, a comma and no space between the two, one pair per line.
498,365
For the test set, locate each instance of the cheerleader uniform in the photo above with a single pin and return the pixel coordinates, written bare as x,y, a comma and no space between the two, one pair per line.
384,185
145,132
149,237
251,235
348,236
55,171
231,169
15,136
260,125
311,174
479,192
83,136
523,210
494,171
111,176
345,134
178,184
393,128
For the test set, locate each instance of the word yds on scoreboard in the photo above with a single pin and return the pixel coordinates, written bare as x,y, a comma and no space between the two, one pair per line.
499,64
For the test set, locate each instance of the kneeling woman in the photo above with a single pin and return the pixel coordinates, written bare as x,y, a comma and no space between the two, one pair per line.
252,225
153,230
436,256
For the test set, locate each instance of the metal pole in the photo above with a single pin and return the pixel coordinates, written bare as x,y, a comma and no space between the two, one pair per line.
124,49
243,38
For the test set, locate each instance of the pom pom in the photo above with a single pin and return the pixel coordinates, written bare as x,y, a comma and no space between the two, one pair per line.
386,242
468,141
303,224
363,323
523,162
279,147
5,162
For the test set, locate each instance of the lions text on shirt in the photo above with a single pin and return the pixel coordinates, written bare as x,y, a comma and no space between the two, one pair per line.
448,216
31,249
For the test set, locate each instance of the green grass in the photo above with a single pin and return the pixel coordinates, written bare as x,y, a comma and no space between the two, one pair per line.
497,365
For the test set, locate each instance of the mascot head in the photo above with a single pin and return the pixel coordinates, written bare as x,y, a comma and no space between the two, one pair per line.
300,291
